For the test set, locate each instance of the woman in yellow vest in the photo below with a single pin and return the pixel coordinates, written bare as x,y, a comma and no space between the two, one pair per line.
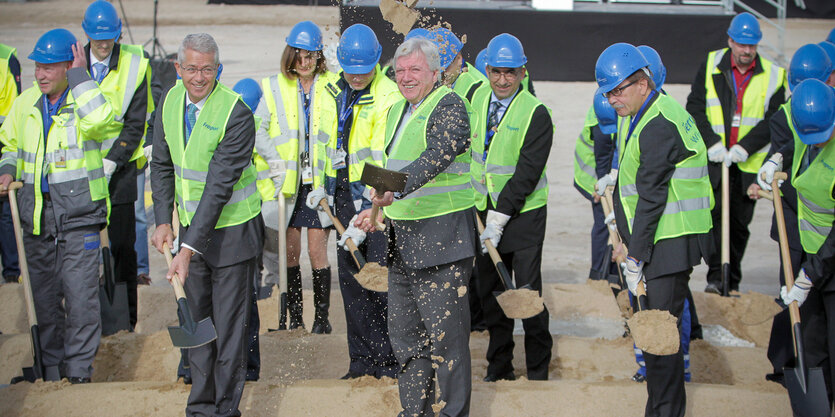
288,139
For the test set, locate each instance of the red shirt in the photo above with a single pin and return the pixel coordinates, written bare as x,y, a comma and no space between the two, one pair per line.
741,82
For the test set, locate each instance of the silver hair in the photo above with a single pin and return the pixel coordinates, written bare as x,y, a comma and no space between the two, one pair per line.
425,47
198,42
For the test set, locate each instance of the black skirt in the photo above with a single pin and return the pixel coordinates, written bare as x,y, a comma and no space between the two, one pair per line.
303,216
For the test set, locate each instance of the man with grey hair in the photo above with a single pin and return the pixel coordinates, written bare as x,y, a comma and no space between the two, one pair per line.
204,135
431,235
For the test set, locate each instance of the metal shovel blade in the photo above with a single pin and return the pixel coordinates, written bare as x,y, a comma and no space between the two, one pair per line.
383,179
191,334
115,314
807,389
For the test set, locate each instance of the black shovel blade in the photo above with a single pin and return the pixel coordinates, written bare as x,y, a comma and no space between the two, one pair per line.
115,312
191,334
383,179
780,349
807,392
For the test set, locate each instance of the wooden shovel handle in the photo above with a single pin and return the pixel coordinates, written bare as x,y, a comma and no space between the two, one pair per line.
341,229
175,281
794,310
375,210
765,194
21,252
614,236
494,254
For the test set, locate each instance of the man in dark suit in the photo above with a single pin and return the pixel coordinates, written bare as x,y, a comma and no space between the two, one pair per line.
203,140
431,235
515,133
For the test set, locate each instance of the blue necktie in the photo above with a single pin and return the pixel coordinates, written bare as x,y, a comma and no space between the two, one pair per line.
493,117
191,111
101,71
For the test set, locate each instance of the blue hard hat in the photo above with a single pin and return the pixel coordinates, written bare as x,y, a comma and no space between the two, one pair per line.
659,71
831,37
449,46
250,92
810,61
745,29
829,48
305,35
481,61
101,21
358,51
505,51
813,111
607,117
615,63
418,33
54,46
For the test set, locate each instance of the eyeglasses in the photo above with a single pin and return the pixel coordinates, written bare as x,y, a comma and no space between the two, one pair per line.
617,91
509,74
206,71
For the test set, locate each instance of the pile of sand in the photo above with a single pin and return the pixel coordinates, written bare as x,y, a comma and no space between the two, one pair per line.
748,316
374,277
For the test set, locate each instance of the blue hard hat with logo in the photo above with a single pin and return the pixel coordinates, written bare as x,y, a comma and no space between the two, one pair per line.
101,22
656,66
615,63
250,92
449,46
745,29
831,37
358,51
305,35
418,33
607,117
809,62
829,48
505,51
813,111
54,46
481,61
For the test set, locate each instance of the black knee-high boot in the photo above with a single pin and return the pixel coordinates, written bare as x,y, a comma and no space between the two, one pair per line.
322,299
294,296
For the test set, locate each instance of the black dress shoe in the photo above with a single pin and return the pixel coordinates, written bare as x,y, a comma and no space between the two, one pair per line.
351,375
638,377
78,380
187,380
508,376
711,288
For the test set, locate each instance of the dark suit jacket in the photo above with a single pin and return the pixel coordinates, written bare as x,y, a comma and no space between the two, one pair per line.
450,237
228,245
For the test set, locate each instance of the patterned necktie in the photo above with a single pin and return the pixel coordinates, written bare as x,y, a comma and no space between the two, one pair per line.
192,119
100,71
493,117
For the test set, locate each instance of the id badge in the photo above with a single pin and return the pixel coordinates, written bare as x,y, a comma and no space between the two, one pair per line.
338,161
307,176
737,120
61,162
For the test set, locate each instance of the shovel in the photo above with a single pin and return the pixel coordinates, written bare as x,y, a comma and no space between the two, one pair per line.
189,334
382,180
370,273
726,233
113,296
614,237
282,263
37,370
517,303
807,389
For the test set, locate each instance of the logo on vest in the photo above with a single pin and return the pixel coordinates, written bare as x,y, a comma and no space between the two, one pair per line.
513,129
829,167
210,127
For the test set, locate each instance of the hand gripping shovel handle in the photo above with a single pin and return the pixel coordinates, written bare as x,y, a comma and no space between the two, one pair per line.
614,236
175,281
375,212
496,258
355,251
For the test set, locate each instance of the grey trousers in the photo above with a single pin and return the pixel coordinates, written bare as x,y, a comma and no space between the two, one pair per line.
64,272
429,325
218,369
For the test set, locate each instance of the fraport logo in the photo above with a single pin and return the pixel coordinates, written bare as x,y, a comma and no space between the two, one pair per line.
512,129
210,127
829,167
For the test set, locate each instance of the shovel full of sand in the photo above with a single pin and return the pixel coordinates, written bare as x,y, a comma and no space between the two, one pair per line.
517,303
371,276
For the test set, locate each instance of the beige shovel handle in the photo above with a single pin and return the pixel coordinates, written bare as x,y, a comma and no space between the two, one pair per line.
765,194
341,229
375,210
614,236
104,237
21,252
494,254
282,243
175,281
794,310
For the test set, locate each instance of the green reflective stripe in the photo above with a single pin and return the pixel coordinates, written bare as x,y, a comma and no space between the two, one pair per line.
133,74
750,121
814,207
107,144
68,175
94,174
476,155
714,101
543,182
281,115
89,146
323,137
27,177
458,168
427,191
479,187
586,143
583,166
262,175
91,106
72,137
500,169
806,226
190,174
84,87
237,197
690,173
396,164
360,155
628,190
717,59
718,129
377,155
28,157
698,203
56,155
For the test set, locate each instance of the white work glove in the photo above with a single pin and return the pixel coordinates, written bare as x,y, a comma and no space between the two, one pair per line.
766,173
314,197
610,219
357,235
633,273
605,181
109,168
148,150
278,172
717,153
799,291
736,155
494,229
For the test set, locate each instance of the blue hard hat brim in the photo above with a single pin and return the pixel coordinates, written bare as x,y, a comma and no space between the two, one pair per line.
103,36
745,40
304,47
358,69
42,59
608,129
606,88
816,137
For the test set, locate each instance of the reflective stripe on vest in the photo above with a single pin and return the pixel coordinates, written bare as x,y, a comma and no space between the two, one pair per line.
448,192
815,205
755,103
191,164
689,194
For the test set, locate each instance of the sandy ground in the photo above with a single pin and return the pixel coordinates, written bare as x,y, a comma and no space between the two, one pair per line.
135,373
